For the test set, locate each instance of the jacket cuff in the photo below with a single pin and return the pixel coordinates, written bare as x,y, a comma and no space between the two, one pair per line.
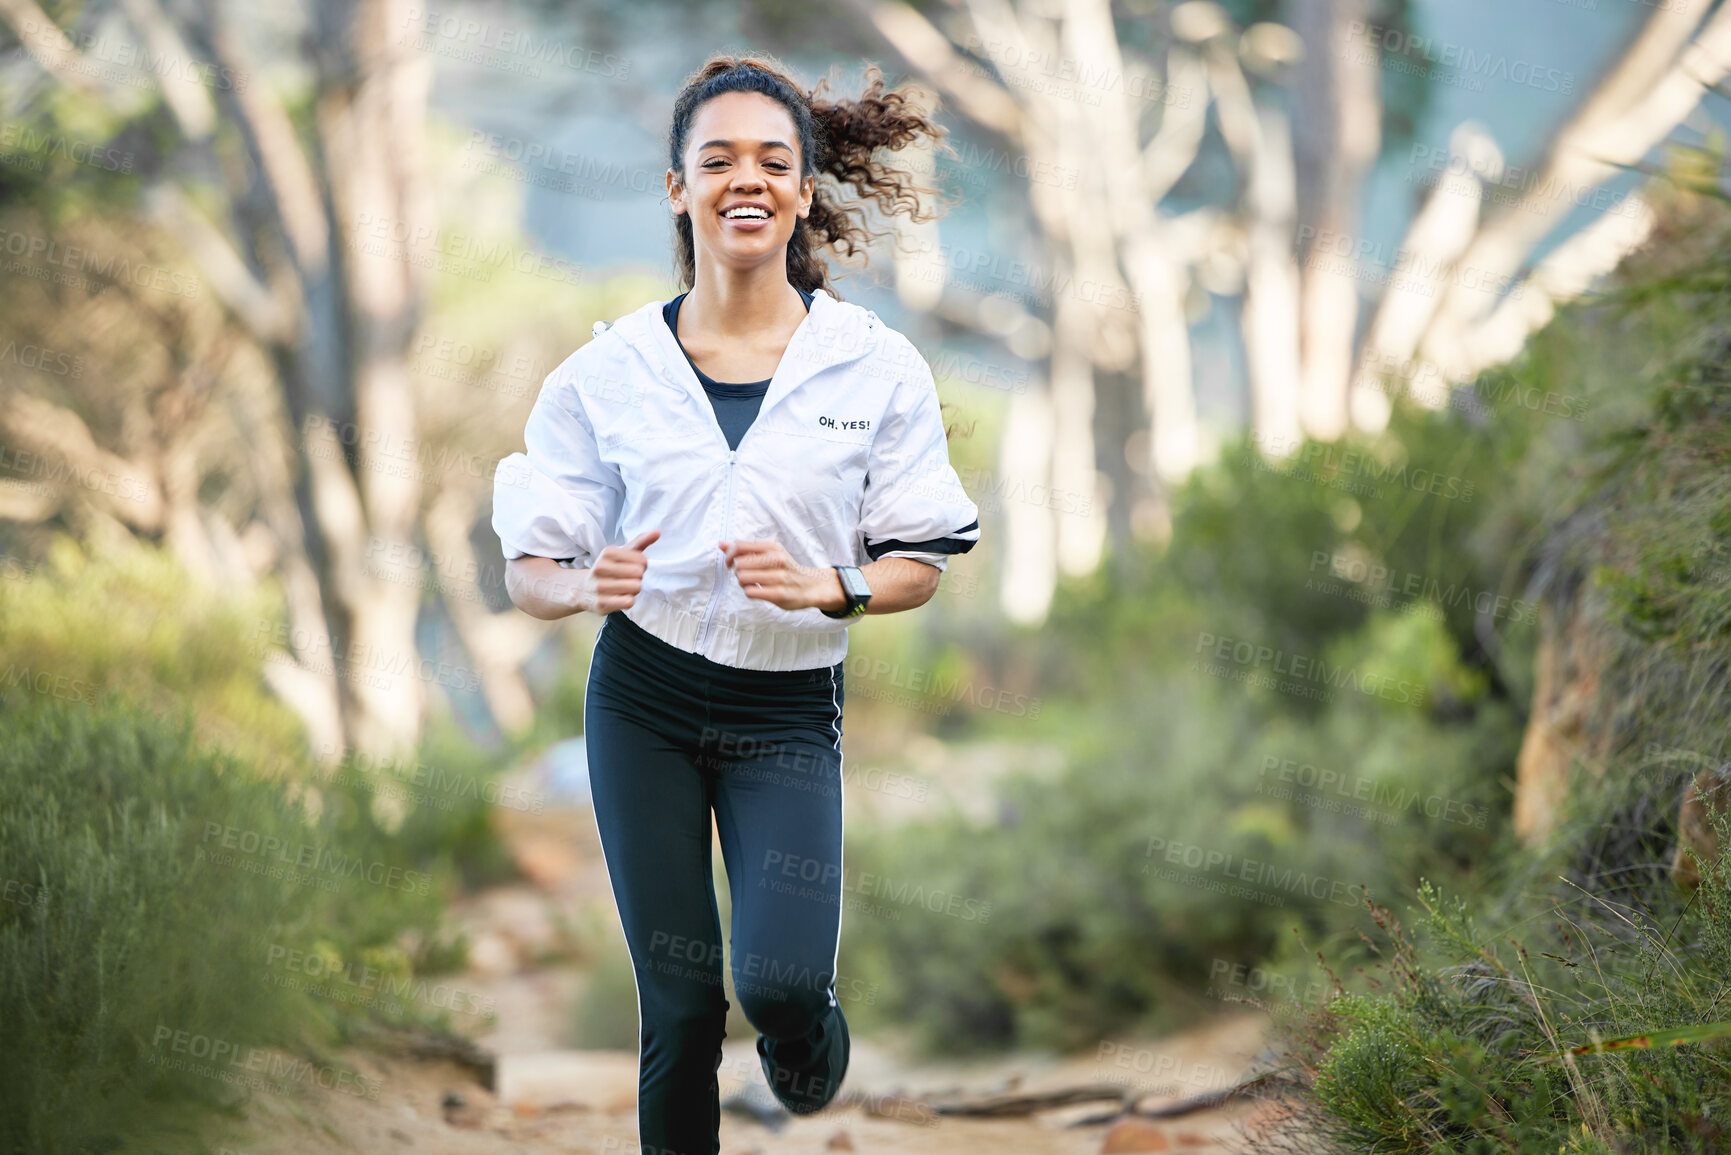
959,541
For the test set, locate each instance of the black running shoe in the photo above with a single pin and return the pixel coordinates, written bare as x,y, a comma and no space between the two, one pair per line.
811,1086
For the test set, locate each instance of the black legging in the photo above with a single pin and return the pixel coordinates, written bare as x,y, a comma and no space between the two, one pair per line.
670,736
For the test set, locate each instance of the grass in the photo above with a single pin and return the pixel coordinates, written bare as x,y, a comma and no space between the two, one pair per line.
174,872
132,927
1469,1041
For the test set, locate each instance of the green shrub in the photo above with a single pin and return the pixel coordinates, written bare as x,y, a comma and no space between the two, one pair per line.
1158,744
1623,520
140,909
1460,1050
1088,929
448,792
82,623
604,1016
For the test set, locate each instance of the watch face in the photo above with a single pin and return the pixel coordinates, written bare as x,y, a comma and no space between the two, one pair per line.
854,582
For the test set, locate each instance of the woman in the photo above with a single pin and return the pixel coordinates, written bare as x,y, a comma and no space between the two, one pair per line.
731,477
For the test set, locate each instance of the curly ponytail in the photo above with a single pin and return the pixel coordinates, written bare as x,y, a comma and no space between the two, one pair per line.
837,138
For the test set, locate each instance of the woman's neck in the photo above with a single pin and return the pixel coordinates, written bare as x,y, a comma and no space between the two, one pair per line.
731,303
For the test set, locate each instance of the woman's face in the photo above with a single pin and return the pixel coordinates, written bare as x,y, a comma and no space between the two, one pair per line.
742,150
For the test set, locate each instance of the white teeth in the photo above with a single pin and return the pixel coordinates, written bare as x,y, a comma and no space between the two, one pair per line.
753,213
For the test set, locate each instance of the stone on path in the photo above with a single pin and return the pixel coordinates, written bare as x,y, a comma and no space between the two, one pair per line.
1135,1135
467,1108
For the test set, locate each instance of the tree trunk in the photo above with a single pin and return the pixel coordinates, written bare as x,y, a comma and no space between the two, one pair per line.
367,485
299,270
1271,293
1434,241
1025,461
1337,133
497,643
1117,308
1645,95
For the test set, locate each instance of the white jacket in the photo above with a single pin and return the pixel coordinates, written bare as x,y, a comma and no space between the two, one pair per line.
846,462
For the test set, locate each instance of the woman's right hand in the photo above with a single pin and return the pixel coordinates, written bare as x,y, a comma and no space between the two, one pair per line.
542,588
617,575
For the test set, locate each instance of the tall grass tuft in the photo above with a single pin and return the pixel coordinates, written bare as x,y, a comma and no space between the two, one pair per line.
127,930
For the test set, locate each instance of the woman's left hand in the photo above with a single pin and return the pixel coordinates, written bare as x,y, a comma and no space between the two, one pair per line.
767,571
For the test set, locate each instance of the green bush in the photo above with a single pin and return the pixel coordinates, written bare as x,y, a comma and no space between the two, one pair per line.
1460,1051
1624,520
1564,478
604,1016
82,623
1075,925
1092,931
448,793
143,910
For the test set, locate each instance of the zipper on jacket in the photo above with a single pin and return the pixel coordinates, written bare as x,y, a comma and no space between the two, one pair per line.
726,535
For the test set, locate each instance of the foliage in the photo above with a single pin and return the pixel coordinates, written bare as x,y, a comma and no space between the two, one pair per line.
1417,557
1624,515
449,792
1459,1052
171,857
153,887
1185,779
604,1015
85,622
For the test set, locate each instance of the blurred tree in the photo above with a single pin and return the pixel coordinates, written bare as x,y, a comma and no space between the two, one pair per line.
1080,86
1440,326
1133,243
1336,124
303,221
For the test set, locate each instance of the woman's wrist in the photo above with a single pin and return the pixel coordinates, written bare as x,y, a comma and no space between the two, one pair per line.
546,590
825,588
580,594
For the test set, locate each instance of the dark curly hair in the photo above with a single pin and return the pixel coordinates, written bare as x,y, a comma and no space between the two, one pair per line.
836,137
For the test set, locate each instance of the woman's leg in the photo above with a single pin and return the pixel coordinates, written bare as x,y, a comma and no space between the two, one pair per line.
652,804
778,810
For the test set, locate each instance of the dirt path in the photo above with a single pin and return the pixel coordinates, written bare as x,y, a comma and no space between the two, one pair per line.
411,1113
527,962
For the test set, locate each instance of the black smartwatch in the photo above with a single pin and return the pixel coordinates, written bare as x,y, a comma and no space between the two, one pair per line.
854,588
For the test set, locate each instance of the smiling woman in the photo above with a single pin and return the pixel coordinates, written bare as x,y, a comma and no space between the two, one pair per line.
783,454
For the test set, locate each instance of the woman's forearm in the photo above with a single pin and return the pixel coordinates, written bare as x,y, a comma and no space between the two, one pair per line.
897,583
542,588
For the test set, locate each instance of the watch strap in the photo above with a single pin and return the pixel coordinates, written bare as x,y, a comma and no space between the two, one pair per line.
855,606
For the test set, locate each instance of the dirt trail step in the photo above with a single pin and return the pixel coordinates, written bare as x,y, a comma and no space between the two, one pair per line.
585,1101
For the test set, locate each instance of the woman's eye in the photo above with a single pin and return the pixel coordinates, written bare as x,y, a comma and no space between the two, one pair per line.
773,166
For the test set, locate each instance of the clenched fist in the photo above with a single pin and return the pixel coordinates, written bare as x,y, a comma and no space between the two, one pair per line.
617,575
768,572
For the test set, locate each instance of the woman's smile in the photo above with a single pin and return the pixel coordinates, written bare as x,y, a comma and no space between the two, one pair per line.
748,223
